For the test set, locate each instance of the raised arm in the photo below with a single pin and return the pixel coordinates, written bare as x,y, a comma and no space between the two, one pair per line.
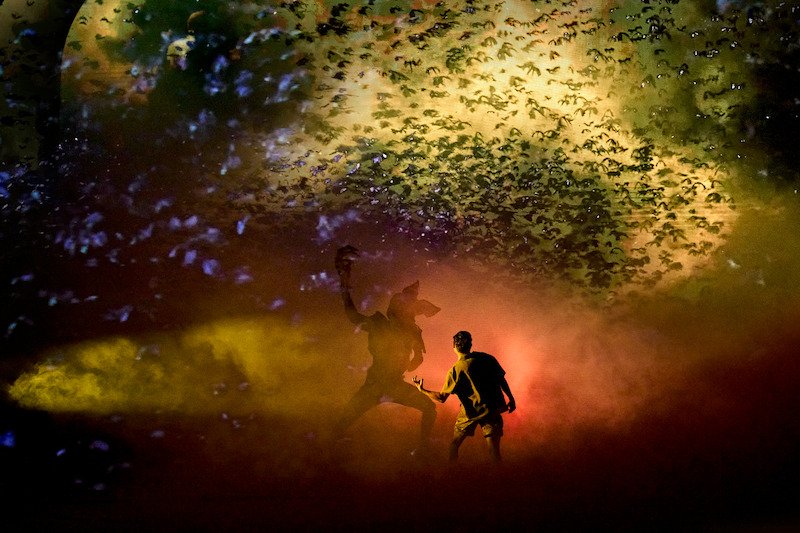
435,396
349,307
344,262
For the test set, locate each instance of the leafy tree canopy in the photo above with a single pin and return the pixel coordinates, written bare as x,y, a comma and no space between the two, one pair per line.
593,142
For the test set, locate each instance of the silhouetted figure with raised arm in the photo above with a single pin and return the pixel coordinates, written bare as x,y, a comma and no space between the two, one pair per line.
392,340
479,382
404,307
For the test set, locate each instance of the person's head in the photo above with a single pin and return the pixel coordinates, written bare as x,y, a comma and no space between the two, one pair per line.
402,305
462,342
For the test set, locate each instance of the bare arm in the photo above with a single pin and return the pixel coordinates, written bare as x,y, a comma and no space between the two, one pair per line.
435,396
344,262
349,307
512,405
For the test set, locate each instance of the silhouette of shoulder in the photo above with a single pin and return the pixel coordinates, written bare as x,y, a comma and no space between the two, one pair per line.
481,362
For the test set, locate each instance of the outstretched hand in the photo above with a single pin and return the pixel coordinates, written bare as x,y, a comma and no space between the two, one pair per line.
418,382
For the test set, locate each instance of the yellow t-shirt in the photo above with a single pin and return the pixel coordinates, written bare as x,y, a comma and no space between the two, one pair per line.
475,379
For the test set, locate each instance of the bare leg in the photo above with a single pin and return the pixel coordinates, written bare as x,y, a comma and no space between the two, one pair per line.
408,395
455,444
494,448
365,399
428,419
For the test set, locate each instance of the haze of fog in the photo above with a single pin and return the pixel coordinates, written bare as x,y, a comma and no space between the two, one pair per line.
615,222
573,363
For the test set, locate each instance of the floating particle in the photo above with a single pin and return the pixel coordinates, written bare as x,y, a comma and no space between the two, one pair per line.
99,445
211,267
189,257
8,439
240,225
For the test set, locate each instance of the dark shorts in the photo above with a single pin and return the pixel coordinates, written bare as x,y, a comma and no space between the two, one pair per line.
492,425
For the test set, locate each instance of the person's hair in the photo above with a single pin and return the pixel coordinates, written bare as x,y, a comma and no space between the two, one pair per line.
462,341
